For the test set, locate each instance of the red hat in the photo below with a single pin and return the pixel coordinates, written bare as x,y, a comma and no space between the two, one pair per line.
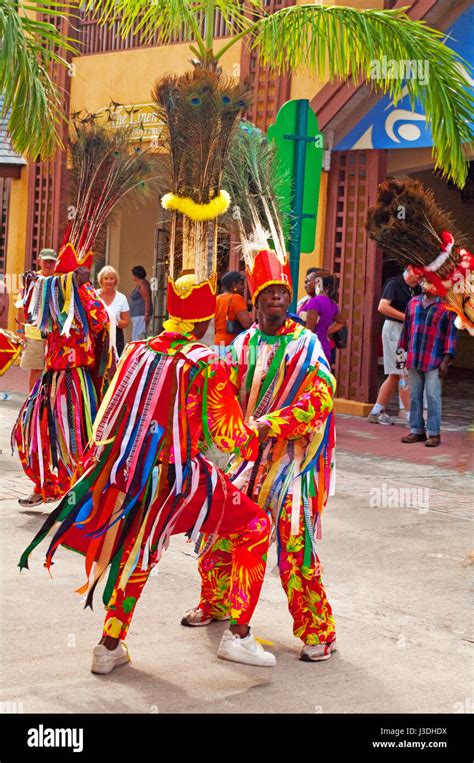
192,302
68,260
268,269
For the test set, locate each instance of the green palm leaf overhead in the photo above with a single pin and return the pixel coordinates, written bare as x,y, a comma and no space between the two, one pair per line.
32,100
335,42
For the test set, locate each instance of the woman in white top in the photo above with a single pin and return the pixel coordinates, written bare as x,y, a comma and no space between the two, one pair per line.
115,302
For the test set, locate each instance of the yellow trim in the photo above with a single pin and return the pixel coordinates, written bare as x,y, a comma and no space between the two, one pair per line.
195,211
211,280
16,352
78,260
269,283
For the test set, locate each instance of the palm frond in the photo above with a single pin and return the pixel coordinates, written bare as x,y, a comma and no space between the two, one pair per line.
255,181
343,43
32,100
163,18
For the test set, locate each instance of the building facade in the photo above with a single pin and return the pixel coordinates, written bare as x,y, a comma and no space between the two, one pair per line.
110,67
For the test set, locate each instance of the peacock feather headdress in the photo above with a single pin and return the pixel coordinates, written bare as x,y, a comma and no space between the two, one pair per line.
255,180
410,227
201,111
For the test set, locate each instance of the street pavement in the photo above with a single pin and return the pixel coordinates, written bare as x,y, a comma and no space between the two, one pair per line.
397,553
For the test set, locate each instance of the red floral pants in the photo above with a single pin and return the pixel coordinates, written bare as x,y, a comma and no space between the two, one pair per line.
307,600
244,525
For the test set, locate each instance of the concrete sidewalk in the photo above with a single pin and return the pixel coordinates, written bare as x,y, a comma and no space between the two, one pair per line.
396,545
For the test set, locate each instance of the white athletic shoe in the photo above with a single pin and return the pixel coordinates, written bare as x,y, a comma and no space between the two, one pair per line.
196,617
246,650
105,660
317,652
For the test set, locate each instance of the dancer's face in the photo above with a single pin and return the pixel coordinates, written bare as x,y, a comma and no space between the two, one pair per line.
273,302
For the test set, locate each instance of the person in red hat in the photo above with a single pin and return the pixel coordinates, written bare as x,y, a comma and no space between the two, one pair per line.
55,422
284,383
144,478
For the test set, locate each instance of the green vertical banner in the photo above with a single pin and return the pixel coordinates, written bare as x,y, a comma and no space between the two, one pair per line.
300,151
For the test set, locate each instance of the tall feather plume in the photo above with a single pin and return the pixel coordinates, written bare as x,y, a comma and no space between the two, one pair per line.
201,111
407,224
255,181
106,165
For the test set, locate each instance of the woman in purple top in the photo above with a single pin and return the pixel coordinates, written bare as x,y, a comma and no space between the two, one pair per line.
323,316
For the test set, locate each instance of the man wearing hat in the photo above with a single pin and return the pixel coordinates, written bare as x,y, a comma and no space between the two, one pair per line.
32,357
284,384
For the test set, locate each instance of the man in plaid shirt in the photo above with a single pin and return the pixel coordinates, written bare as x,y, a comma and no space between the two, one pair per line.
429,338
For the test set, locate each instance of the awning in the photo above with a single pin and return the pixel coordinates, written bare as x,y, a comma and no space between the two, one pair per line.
390,126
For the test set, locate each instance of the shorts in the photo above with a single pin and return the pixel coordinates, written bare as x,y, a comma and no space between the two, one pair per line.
394,360
32,357
139,329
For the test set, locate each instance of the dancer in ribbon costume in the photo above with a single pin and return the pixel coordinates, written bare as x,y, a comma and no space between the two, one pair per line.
144,478
55,422
283,380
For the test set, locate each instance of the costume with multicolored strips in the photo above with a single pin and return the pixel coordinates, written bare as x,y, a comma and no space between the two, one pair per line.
55,422
285,381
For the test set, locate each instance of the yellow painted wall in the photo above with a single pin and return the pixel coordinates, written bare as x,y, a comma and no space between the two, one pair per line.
16,241
315,259
128,76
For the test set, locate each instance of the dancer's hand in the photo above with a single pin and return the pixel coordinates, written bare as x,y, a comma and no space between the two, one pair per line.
263,429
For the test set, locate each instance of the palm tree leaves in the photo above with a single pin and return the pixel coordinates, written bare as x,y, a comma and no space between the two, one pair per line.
164,18
343,43
32,100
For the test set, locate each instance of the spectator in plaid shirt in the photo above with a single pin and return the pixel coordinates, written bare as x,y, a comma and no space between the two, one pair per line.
429,337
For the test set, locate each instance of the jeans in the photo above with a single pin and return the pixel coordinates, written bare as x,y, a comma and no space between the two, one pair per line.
429,382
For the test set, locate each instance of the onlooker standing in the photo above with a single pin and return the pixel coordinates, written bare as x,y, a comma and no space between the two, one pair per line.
140,304
232,316
396,295
32,357
429,337
115,302
323,316
310,289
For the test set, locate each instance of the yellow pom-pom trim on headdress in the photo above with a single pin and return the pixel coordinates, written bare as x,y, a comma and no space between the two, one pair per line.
197,212
178,326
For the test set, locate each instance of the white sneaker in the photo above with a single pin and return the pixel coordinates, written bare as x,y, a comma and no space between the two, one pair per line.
105,660
380,418
197,617
246,650
317,652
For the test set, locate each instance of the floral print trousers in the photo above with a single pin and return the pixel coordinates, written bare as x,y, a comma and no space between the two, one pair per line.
242,524
307,600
